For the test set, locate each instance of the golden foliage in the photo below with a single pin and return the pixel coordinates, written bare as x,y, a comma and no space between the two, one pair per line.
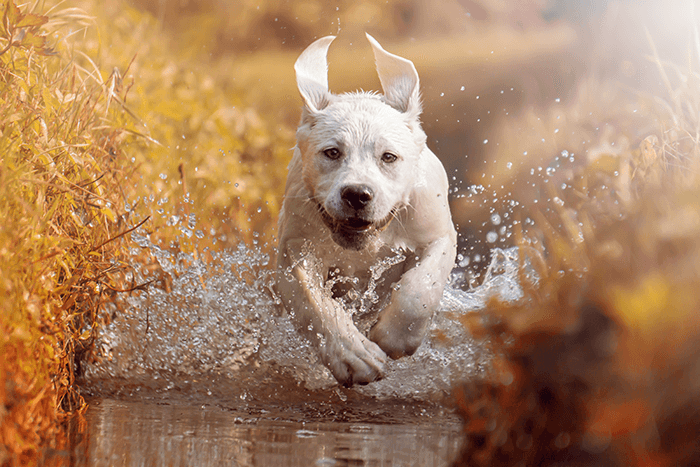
595,365
59,180
197,149
104,125
247,25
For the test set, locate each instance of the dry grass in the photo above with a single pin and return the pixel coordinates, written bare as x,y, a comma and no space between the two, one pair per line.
197,148
80,168
598,364
59,196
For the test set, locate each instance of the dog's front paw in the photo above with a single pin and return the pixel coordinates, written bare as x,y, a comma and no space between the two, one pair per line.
352,358
397,334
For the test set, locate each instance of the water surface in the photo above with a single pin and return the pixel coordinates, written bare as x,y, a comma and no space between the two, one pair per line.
207,370
174,432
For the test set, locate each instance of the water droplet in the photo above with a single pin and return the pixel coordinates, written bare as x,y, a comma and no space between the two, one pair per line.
491,237
486,141
495,219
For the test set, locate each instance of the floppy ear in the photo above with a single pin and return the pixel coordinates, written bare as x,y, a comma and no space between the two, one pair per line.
399,80
312,74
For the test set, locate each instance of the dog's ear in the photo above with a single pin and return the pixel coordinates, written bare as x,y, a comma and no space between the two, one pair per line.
399,80
312,74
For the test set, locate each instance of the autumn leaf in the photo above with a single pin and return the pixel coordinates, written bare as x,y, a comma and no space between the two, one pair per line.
12,14
31,39
31,21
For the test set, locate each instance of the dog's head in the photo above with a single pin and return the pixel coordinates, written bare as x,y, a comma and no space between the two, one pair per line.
359,151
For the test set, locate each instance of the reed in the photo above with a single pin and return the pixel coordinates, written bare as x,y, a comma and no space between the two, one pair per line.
60,199
106,126
594,366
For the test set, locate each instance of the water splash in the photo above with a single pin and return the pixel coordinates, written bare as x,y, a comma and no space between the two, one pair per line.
220,319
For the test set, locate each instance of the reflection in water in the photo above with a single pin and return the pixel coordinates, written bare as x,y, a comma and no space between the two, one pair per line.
206,371
161,433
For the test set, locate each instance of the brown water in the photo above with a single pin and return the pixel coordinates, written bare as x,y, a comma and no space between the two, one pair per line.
176,432
209,372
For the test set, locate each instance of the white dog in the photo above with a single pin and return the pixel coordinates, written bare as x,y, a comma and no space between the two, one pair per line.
362,187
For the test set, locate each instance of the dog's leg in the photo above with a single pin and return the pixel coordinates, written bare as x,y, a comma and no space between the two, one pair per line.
351,357
402,325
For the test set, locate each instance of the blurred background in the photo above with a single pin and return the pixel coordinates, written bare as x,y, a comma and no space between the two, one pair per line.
507,85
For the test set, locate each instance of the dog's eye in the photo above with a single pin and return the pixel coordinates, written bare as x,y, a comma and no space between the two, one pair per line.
389,157
332,153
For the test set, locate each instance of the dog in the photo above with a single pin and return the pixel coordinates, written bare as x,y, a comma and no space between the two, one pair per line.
365,200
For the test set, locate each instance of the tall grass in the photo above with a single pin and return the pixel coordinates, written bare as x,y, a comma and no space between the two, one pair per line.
597,364
60,202
105,126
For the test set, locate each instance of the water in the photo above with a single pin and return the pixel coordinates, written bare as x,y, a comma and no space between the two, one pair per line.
177,434
204,367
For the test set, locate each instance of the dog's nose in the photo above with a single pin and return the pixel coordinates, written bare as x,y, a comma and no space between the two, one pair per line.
357,196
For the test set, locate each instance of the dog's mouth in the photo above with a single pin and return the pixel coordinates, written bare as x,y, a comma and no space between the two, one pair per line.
357,224
354,232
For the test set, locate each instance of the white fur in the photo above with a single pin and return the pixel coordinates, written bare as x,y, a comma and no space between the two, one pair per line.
410,191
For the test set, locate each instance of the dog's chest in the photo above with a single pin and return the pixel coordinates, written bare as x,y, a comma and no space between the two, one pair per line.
360,270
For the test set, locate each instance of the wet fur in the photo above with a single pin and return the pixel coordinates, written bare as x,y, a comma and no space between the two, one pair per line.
342,215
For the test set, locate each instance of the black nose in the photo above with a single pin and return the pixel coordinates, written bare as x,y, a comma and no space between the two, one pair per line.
357,196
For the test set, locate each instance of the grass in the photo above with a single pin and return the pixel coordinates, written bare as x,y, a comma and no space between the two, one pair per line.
596,364
59,176
81,168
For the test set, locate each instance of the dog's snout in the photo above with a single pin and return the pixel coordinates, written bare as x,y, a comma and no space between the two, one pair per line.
357,196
